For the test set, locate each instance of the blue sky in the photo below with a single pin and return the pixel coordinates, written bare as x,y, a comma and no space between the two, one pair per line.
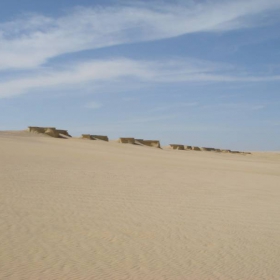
203,73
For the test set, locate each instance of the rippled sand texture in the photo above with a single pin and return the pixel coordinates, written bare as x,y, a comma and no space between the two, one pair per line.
77,209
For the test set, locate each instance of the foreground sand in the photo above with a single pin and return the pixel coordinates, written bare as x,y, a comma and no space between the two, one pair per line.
78,209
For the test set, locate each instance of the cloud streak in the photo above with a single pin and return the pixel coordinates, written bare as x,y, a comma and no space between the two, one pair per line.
107,72
31,41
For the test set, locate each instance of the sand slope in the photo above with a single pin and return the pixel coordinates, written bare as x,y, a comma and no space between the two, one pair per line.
76,209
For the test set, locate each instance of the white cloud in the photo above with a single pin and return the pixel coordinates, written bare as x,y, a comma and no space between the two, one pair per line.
106,73
31,41
91,72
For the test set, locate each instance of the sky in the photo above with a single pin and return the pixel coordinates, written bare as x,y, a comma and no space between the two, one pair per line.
193,72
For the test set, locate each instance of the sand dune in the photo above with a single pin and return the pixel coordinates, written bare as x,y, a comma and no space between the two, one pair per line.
74,209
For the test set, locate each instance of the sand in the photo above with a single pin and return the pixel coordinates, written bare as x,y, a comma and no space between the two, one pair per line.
75,209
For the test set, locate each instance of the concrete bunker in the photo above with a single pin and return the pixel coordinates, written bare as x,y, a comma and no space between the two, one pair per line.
177,147
225,151
63,132
150,143
100,137
95,137
207,149
51,131
126,140
86,136
37,129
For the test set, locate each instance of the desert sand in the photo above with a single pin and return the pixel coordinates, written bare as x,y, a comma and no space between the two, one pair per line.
77,209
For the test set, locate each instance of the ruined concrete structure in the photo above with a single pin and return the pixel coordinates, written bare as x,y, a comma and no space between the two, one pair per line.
188,147
142,142
51,131
177,147
86,136
61,133
100,137
207,149
124,140
95,137
37,129
150,143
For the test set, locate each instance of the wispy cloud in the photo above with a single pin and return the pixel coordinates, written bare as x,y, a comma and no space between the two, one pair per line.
32,40
100,72
75,75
